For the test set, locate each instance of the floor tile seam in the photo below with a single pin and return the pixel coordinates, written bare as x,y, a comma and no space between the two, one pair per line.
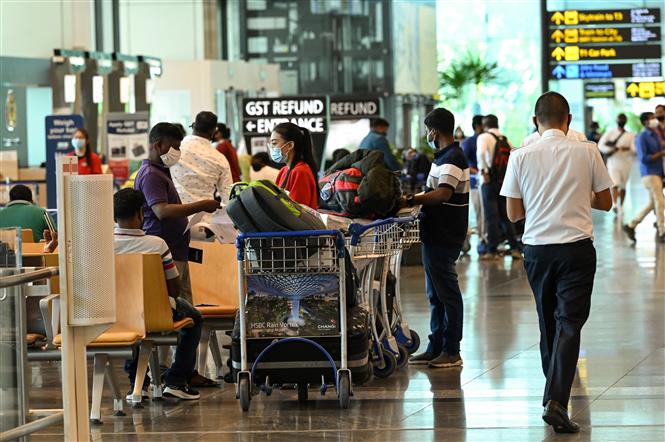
613,384
514,356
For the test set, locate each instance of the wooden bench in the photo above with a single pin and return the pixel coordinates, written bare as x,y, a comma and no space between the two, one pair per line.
215,295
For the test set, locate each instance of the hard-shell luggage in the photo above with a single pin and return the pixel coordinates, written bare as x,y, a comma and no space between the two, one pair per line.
284,365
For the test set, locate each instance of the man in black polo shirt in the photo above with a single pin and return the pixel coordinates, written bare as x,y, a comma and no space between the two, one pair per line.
443,229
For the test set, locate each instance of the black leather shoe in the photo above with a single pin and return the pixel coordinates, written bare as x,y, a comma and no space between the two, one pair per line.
557,416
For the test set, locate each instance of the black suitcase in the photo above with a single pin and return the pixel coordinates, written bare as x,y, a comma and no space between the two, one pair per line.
297,362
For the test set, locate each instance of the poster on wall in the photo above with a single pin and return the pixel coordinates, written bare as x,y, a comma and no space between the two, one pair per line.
284,305
127,143
59,131
261,115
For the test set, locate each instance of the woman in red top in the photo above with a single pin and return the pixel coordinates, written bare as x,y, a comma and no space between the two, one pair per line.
89,162
292,145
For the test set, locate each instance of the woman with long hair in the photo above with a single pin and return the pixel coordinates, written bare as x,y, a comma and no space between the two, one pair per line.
88,161
292,145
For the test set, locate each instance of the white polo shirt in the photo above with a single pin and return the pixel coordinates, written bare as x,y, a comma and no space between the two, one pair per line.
572,134
555,178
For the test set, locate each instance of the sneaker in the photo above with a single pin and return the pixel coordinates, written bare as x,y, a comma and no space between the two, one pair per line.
421,359
446,361
181,392
144,395
630,231
516,254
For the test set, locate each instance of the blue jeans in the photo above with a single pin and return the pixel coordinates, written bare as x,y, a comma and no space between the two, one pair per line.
185,354
445,299
497,224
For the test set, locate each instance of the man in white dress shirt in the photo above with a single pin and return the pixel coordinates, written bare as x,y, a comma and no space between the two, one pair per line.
202,171
553,185
618,145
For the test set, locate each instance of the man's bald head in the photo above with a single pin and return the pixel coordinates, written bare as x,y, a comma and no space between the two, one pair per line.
552,112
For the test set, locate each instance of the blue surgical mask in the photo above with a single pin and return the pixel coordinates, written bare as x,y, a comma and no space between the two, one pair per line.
277,155
79,145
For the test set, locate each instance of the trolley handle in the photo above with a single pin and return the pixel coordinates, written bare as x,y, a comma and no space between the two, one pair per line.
339,238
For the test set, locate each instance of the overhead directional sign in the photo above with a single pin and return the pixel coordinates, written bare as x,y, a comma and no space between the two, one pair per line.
645,89
599,90
576,71
605,35
642,16
625,52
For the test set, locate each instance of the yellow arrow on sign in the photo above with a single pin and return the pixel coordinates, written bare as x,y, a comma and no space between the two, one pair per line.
558,53
633,89
557,36
557,17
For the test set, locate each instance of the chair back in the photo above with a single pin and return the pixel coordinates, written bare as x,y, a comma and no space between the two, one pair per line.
215,280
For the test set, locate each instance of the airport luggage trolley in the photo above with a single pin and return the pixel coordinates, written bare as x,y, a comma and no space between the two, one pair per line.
292,291
410,234
369,245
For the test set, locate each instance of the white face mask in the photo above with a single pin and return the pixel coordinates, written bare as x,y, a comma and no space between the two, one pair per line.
653,123
171,157
432,143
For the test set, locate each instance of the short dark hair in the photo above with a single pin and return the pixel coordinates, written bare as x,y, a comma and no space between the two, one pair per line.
20,192
660,105
622,116
181,128
476,121
552,107
161,131
442,120
379,122
205,122
491,121
127,203
224,131
644,117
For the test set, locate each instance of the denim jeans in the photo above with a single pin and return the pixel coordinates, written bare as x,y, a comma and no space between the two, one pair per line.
185,353
445,299
497,224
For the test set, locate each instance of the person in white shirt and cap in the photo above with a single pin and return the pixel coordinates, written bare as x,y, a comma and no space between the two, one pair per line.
618,145
202,172
553,185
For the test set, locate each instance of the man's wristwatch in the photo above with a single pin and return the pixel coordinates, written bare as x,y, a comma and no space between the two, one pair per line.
409,199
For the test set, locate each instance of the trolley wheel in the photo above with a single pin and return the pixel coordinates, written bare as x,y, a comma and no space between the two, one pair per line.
403,357
415,342
244,393
390,365
344,389
302,392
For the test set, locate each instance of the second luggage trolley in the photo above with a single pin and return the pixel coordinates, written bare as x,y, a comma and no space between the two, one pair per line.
292,294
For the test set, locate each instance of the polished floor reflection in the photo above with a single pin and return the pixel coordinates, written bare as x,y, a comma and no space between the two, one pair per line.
619,393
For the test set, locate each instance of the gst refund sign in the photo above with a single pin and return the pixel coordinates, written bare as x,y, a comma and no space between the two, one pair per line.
262,115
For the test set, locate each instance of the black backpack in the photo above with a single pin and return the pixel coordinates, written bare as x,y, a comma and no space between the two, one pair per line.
499,160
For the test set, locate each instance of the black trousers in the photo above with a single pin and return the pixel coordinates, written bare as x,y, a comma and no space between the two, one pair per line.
561,277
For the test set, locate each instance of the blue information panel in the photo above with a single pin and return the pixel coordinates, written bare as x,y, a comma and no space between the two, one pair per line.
580,71
59,132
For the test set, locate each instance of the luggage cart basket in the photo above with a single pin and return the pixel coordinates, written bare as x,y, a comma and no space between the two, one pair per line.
368,245
281,269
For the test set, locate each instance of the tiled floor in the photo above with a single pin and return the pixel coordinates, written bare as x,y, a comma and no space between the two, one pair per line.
619,393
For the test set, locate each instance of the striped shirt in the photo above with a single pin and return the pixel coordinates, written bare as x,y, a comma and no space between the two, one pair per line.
136,241
446,224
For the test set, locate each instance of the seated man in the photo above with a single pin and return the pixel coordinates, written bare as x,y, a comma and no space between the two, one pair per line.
129,238
22,212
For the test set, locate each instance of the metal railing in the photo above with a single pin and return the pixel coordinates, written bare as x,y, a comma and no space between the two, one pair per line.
54,416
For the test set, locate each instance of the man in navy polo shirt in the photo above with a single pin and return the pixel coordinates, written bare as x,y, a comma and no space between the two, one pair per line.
443,229
164,214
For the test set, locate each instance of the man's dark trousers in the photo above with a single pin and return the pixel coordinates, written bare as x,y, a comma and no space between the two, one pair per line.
561,277
497,223
445,297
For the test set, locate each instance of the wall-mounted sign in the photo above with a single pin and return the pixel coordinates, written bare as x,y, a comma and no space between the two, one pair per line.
343,108
605,35
645,89
59,132
606,16
605,71
624,52
127,142
261,115
599,90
